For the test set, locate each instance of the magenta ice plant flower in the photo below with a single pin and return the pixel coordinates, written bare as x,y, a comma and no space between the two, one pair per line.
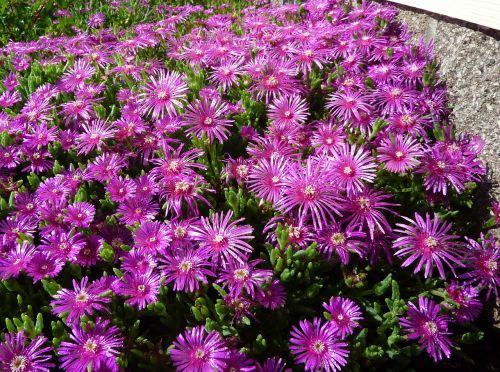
223,240
95,347
84,299
195,350
316,345
18,354
427,242
344,315
424,322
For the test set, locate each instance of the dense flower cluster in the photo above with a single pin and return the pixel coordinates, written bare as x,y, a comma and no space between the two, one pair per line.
215,178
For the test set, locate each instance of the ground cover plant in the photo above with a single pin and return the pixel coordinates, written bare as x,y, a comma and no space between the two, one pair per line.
235,187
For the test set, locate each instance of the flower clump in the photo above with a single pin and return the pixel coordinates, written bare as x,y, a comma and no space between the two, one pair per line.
236,187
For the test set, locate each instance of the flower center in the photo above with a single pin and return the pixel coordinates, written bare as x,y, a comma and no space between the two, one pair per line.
82,297
19,363
431,327
90,345
240,274
431,242
180,232
396,93
141,287
338,238
275,179
185,266
399,154
272,82
242,170
309,191
162,94
199,354
347,170
287,114
318,347
364,203
218,238
181,186
208,121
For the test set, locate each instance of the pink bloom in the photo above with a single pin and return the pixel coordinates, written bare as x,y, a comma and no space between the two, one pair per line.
351,166
288,110
142,289
186,268
317,347
208,117
194,350
425,323
163,94
427,242
344,315
309,191
399,154
223,239
84,299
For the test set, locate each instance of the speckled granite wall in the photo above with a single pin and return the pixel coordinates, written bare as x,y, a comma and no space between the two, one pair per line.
470,65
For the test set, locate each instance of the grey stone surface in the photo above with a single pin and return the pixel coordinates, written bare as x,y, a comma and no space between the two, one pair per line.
470,65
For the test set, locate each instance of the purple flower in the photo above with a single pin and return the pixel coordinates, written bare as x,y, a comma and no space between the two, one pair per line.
272,365
16,356
16,260
194,350
208,117
44,264
227,73
93,136
244,275
272,295
223,239
467,298
95,346
152,236
483,263
348,105
186,268
399,154
77,75
344,315
427,242
142,289
350,166
309,192
137,210
238,362
139,261
83,299
288,110
317,347
80,214
334,239
266,178
163,94
425,323
63,245
365,208
328,138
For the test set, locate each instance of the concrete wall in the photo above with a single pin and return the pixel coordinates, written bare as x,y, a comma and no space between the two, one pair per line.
470,65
